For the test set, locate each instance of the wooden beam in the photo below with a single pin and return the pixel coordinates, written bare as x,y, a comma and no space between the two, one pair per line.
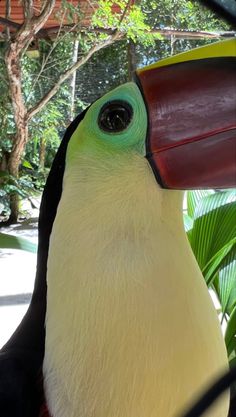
165,32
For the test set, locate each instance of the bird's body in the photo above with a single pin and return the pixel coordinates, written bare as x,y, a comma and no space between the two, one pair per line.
131,330
126,334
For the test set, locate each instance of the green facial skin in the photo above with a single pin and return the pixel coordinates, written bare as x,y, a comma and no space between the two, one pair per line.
90,139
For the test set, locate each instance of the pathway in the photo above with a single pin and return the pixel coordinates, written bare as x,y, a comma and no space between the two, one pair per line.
17,273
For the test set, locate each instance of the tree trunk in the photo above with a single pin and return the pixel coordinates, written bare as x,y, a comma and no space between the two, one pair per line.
131,55
12,59
172,44
4,161
73,80
20,141
42,153
16,46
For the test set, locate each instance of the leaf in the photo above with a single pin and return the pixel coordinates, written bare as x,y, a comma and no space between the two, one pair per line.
27,164
214,225
230,335
193,199
232,362
4,174
217,261
226,281
14,242
188,222
213,240
214,201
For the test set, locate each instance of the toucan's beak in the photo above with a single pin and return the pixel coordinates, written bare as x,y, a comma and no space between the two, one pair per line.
191,105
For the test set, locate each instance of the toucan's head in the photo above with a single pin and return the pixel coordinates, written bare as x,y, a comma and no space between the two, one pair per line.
180,114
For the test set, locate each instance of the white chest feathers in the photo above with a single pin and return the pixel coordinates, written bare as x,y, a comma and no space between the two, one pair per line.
130,328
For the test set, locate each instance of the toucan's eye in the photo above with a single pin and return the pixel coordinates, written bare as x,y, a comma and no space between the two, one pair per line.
115,116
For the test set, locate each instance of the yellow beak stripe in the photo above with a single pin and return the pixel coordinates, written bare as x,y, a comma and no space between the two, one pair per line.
214,50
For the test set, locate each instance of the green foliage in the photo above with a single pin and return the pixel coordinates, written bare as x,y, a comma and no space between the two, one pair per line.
104,71
70,11
39,75
45,130
128,20
7,125
9,185
211,228
176,14
44,134
181,14
230,336
8,241
195,15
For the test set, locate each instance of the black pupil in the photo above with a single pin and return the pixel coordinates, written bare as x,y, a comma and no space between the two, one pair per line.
115,116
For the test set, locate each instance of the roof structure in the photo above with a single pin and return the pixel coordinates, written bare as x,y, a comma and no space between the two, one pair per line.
12,14
16,14
12,17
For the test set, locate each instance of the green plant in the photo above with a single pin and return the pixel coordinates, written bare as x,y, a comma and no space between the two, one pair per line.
14,242
22,186
210,221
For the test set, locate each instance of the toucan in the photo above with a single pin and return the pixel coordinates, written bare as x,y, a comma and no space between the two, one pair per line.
121,323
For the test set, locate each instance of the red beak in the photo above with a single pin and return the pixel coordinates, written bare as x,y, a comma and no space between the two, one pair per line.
191,105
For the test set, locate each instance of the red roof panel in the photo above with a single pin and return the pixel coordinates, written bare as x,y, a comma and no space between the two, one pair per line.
87,8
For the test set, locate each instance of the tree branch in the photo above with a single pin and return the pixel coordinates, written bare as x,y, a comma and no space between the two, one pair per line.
7,15
166,32
9,23
32,24
45,61
126,9
34,110
40,20
28,10
42,33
